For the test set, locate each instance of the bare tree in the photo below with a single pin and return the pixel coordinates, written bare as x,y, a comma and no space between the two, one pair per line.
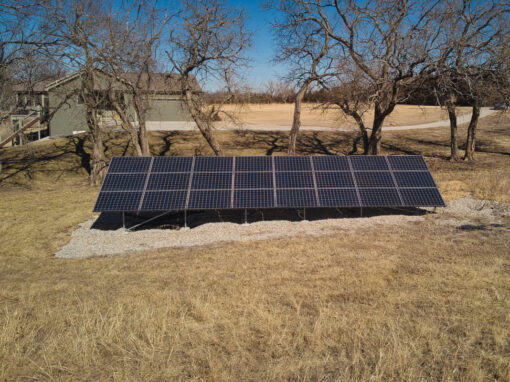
471,59
206,43
390,41
305,46
134,40
81,29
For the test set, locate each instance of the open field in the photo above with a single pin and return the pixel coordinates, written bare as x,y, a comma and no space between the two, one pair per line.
281,115
419,302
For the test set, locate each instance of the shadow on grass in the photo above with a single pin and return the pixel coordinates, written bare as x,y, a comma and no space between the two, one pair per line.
109,221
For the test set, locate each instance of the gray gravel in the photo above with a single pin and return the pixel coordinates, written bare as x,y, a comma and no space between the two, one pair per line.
88,241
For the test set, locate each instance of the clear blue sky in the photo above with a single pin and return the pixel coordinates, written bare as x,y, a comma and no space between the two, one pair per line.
262,50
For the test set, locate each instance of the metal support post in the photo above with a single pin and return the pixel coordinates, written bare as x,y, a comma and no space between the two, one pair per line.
123,220
245,216
185,219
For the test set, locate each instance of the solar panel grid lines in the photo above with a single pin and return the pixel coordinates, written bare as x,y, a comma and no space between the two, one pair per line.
394,180
190,180
181,183
274,182
315,182
232,184
146,182
351,169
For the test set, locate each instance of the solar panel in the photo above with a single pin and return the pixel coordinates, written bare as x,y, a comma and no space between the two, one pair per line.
369,162
129,164
407,162
164,200
253,180
213,164
211,180
251,164
124,182
209,199
168,181
414,179
298,197
330,163
380,197
172,164
253,199
374,179
292,164
334,179
295,179
181,183
117,201
422,197
338,197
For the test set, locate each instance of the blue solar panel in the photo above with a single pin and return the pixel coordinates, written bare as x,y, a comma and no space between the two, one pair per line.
292,164
250,164
421,197
164,200
124,182
211,180
331,163
209,199
374,179
129,164
407,162
334,179
253,180
168,181
294,179
117,201
296,198
338,197
213,164
253,199
379,197
369,162
414,179
164,182
172,164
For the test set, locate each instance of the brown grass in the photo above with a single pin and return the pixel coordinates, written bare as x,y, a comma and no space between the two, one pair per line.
421,302
312,115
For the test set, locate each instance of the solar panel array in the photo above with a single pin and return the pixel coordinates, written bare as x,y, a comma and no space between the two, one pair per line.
194,183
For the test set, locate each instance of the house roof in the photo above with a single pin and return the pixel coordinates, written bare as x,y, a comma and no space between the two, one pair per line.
38,86
154,82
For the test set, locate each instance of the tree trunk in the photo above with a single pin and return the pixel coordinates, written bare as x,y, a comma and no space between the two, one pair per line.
296,122
97,161
454,148
471,133
374,143
142,129
202,124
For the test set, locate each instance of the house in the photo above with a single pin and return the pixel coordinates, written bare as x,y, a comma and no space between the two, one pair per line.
59,104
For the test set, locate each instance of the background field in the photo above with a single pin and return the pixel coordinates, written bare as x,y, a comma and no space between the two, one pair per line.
422,302
280,114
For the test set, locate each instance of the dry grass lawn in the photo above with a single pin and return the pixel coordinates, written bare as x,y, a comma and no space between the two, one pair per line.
422,302
281,115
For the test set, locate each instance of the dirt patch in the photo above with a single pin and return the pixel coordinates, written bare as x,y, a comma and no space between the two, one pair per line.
89,241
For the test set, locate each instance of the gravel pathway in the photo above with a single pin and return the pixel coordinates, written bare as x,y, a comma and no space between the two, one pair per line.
89,241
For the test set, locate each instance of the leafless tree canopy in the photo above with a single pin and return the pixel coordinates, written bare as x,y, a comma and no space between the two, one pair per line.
207,43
